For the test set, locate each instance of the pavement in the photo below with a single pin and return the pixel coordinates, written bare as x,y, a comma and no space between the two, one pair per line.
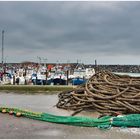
12,127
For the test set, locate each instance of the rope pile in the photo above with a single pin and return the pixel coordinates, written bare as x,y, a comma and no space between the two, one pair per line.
104,92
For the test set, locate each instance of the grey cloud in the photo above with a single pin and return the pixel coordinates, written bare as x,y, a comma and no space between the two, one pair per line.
71,30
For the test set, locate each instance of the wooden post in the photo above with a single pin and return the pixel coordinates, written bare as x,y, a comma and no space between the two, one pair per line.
67,77
25,76
46,75
14,80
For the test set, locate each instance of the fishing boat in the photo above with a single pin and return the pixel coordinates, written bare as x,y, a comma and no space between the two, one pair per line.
39,77
79,75
89,72
58,76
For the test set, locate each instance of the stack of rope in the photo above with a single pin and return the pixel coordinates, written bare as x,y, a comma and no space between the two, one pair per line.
106,93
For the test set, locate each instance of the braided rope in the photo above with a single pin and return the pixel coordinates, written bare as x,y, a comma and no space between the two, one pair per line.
104,92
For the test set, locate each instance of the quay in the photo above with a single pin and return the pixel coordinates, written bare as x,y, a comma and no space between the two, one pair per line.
23,128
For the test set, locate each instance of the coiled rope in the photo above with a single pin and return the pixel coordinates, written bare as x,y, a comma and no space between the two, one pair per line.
104,92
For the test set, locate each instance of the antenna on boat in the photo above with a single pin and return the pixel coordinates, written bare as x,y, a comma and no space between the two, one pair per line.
2,60
77,61
95,63
96,66
45,61
39,58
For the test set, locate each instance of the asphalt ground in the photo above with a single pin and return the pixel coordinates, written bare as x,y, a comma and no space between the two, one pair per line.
12,127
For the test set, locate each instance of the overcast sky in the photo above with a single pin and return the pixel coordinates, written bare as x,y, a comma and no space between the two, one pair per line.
67,31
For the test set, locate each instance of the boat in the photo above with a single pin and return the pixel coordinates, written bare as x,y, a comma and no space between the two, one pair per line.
58,76
79,75
89,72
39,77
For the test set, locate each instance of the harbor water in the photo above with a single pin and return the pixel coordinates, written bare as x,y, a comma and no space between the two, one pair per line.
130,74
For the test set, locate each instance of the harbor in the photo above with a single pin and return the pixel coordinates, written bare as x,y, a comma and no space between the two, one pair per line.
42,74
31,73
57,97
69,70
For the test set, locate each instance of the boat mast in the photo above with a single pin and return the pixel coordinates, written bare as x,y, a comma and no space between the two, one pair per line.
2,47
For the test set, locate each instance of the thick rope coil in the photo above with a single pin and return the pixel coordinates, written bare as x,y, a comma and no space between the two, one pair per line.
104,92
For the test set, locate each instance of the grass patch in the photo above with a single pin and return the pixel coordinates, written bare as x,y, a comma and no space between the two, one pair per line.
35,88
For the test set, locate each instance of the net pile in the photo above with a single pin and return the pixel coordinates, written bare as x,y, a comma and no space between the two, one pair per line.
104,92
67,120
131,120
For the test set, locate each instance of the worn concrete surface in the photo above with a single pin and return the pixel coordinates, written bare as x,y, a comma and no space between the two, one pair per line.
23,128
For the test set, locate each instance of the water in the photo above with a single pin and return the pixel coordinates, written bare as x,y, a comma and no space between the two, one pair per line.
130,74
